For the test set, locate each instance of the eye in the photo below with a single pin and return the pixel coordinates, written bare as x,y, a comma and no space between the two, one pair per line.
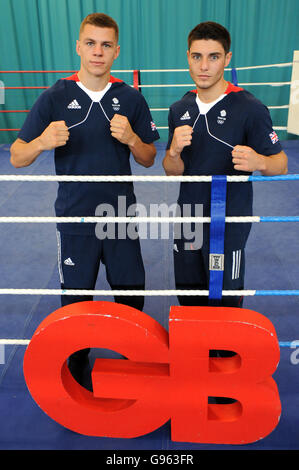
196,57
214,57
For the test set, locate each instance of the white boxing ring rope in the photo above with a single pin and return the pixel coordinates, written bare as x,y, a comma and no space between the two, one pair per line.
188,85
144,178
137,219
192,85
153,178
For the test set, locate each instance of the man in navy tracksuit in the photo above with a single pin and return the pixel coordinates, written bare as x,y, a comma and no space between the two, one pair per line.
93,121
217,129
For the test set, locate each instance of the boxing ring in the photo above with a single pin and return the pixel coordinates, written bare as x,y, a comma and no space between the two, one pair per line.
29,292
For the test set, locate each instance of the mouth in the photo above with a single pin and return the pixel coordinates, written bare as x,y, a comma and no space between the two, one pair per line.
96,63
203,77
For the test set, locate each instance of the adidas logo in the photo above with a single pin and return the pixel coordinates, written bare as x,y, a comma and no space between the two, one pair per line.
185,116
74,105
69,262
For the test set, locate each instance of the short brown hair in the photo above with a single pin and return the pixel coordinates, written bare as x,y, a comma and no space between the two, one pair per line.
100,20
211,30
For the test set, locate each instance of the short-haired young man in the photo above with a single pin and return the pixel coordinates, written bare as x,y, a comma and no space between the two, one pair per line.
217,129
93,121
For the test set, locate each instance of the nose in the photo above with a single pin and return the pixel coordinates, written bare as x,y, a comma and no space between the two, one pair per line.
98,50
204,64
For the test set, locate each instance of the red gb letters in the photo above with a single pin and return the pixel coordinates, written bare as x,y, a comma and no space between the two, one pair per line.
168,376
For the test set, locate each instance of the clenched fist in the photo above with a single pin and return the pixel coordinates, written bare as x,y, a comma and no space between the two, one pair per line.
121,129
55,135
182,137
246,159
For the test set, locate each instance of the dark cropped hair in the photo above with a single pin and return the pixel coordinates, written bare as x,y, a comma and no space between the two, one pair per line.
210,30
101,20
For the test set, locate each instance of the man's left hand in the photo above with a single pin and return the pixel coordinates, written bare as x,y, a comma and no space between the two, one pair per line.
246,159
121,130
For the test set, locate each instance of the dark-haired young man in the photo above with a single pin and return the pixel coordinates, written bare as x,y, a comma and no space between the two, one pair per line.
93,121
217,129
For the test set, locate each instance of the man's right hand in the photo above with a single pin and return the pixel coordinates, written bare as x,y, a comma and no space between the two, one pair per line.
55,135
182,137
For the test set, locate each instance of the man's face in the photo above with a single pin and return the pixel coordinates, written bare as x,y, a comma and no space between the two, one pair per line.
98,49
207,60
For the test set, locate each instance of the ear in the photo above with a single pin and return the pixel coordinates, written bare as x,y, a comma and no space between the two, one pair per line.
117,52
188,57
78,47
228,58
